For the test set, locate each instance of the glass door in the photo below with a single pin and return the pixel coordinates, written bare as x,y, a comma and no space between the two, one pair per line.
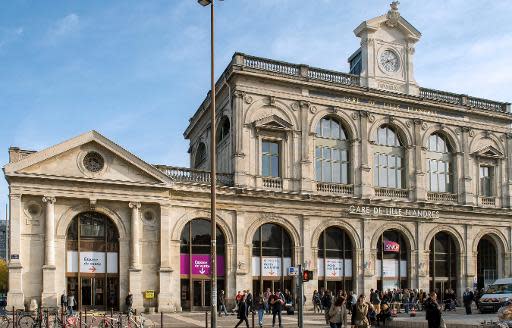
201,291
87,291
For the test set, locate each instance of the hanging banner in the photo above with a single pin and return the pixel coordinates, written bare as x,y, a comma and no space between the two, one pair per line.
271,266
92,262
390,268
200,264
335,267
391,246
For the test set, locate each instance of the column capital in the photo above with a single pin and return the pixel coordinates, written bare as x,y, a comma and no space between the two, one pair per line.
50,200
134,205
15,196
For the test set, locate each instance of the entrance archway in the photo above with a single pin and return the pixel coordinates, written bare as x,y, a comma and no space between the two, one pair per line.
487,262
443,266
335,260
195,277
392,267
271,257
92,261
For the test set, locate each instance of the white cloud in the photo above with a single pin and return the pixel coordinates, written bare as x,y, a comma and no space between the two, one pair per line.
9,35
64,27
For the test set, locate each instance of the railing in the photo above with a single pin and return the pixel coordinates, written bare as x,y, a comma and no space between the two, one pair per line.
334,188
182,174
270,65
271,182
459,99
391,192
442,197
332,76
487,201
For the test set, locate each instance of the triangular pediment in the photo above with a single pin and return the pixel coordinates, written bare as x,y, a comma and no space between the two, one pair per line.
89,156
488,152
273,122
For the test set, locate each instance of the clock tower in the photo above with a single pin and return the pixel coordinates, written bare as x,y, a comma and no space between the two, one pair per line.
385,58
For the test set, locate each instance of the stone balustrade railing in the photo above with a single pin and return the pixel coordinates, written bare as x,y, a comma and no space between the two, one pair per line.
272,182
334,188
464,100
391,193
487,201
182,174
442,197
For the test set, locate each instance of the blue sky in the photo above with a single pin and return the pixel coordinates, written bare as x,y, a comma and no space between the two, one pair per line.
137,70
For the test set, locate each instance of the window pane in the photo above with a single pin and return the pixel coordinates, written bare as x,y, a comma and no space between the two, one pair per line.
326,127
335,129
344,155
318,152
343,135
399,180
318,170
265,147
266,166
336,154
398,161
275,166
381,136
383,160
344,173
433,182
383,177
336,172
442,183
391,178
391,138
433,166
327,153
274,148
327,171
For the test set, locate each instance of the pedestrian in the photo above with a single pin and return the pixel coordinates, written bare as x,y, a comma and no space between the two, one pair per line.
433,311
316,302
129,303
63,302
360,313
222,303
71,303
266,296
248,300
243,312
326,304
375,300
338,313
276,303
467,299
259,306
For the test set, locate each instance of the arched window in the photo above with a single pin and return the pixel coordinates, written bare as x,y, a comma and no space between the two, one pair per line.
92,261
487,262
439,164
392,263
200,155
335,253
388,159
443,263
223,129
332,161
271,258
195,262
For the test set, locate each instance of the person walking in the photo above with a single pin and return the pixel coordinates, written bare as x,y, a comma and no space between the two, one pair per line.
433,311
266,296
375,300
338,313
360,313
129,303
326,304
316,302
259,306
467,299
71,303
243,310
222,303
276,303
63,302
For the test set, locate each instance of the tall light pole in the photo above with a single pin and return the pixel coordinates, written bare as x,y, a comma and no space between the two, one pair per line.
213,171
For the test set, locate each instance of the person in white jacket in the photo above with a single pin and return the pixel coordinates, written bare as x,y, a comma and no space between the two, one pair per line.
338,313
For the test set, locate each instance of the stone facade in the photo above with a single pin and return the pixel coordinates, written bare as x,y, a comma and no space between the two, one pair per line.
263,100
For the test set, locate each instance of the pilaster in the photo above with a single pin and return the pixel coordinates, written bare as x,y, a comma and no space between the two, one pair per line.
15,296
135,288
165,303
365,189
239,156
419,163
49,295
135,272
467,185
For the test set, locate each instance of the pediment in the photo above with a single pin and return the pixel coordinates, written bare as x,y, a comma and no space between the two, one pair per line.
72,159
273,122
488,152
390,20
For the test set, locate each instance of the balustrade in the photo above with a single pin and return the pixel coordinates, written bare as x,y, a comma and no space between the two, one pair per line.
441,197
181,174
334,188
391,193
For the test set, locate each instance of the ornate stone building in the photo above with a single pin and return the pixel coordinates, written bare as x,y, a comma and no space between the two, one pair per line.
366,178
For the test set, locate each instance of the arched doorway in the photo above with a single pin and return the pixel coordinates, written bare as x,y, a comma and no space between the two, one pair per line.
335,254
443,263
195,250
392,265
487,262
92,261
271,258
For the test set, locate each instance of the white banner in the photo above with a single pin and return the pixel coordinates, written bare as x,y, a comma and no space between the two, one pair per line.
335,267
391,268
92,262
271,266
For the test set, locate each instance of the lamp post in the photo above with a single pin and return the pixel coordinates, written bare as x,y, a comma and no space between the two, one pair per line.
213,173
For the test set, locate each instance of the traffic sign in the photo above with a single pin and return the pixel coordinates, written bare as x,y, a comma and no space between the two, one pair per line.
292,271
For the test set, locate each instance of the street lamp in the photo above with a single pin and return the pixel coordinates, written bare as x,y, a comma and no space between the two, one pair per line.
213,174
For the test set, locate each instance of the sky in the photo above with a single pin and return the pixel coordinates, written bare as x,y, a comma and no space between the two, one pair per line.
136,71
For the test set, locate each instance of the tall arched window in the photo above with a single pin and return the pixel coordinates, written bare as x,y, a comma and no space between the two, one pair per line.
392,263
92,261
332,162
271,258
335,254
487,262
223,129
195,264
388,159
200,155
439,164
443,263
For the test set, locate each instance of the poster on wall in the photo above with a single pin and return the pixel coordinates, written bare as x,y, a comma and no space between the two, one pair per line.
270,266
92,262
335,267
200,264
391,246
389,269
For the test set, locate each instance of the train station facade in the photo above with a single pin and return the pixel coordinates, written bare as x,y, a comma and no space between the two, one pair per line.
366,178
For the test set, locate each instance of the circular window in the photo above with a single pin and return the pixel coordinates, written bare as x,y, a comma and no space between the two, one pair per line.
149,215
94,162
34,210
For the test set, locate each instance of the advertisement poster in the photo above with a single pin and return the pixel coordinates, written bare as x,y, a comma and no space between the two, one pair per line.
92,262
335,267
270,266
391,246
390,268
200,264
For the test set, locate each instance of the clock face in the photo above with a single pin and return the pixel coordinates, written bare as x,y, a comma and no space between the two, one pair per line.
389,61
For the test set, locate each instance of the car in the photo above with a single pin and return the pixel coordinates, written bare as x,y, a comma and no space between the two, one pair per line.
496,295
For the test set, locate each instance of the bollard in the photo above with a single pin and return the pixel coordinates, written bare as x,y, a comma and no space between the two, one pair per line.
252,319
112,312
206,318
47,317
80,316
62,318
120,319
13,317
161,319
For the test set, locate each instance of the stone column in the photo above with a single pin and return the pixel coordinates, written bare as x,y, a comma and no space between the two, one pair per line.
365,189
237,117
305,150
49,295
467,185
15,295
419,173
165,303
135,272
508,176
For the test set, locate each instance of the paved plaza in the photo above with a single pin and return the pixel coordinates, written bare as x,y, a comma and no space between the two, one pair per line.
198,319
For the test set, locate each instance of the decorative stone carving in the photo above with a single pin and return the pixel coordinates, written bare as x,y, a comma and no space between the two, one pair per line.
354,116
304,104
471,133
393,15
424,126
248,100
312,109
271,100
295,106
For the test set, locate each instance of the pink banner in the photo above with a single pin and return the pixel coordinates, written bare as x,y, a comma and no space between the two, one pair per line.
200,264
391,246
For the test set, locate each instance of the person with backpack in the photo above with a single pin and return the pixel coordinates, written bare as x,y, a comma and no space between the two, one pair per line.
276,303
